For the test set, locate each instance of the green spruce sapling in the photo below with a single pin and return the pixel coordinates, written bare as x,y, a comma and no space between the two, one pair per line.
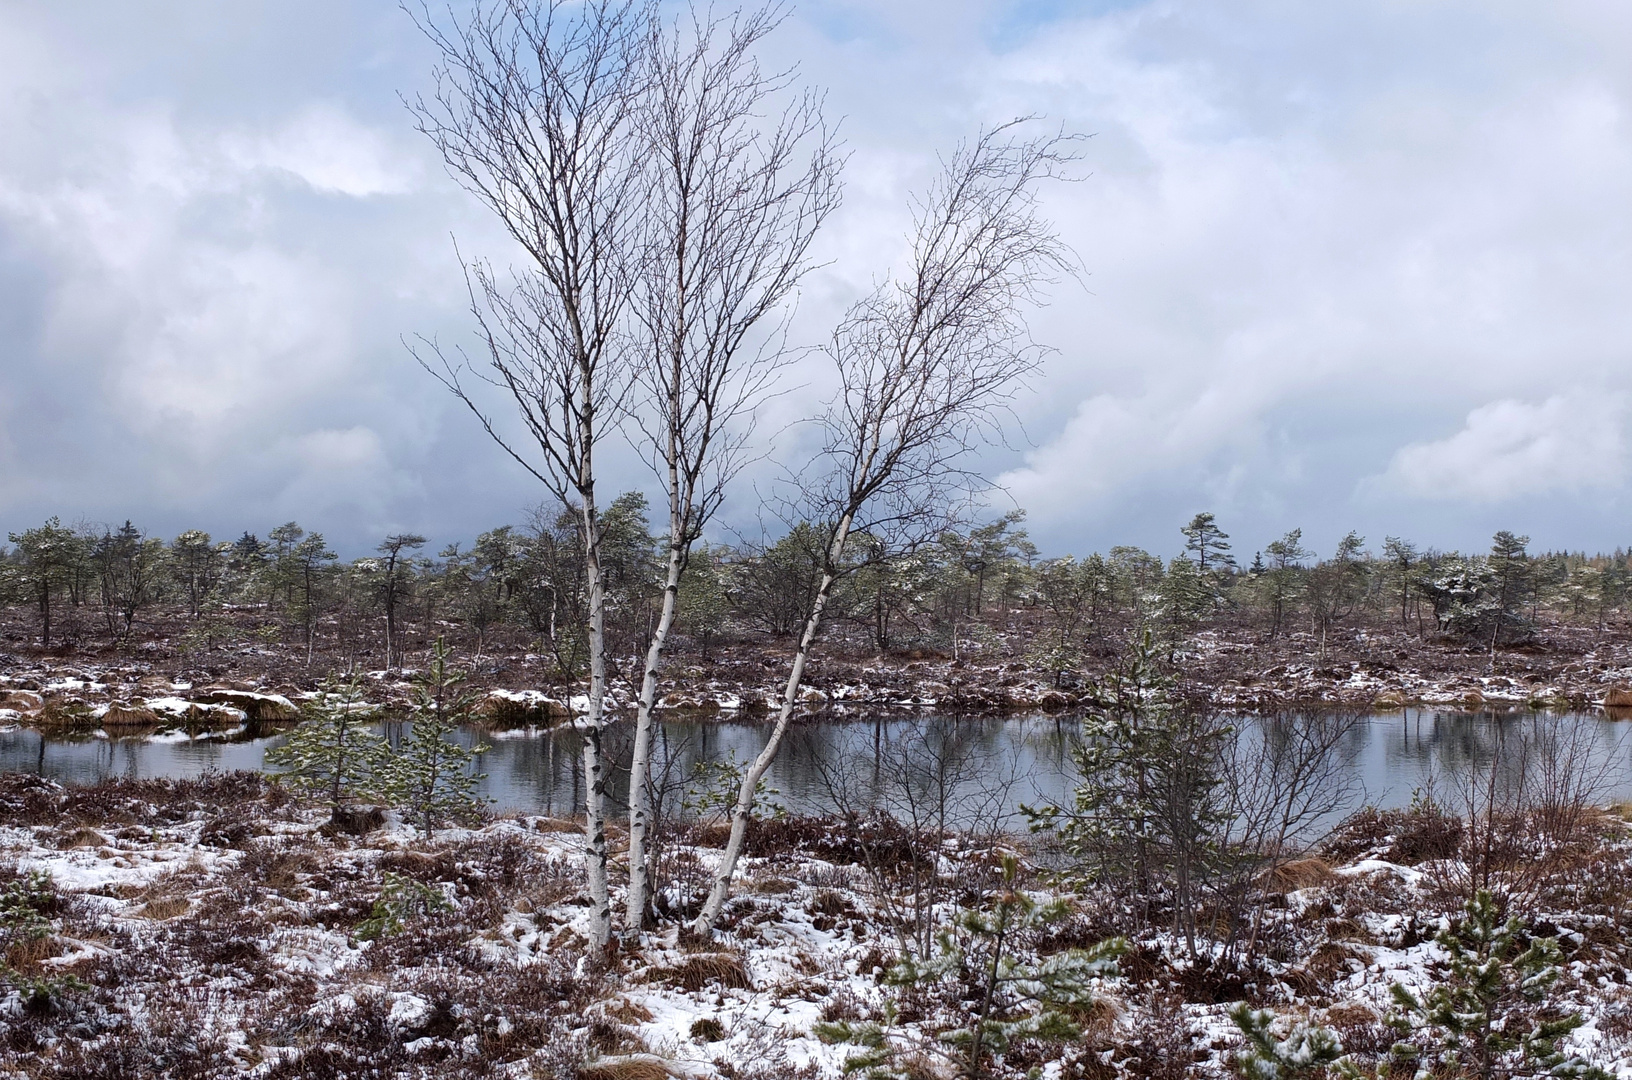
333,754
402,899
1149,803
1306,1050
1017,999
432,777
1489,1015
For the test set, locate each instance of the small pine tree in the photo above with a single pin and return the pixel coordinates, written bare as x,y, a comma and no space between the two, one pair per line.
432,777
1017,999
333,754
1306,1050
402,899
1490,1007
1148,807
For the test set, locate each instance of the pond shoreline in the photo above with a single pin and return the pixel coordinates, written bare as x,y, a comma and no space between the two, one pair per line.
1374,670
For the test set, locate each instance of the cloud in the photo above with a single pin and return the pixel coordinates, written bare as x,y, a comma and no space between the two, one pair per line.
1508,449
1311,234
328,150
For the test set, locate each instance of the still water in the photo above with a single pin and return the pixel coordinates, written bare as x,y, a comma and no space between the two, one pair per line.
976,766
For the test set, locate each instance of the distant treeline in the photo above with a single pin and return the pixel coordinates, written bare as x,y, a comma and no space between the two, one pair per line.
982,590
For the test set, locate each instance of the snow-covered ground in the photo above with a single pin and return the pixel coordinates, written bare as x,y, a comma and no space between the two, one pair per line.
217,928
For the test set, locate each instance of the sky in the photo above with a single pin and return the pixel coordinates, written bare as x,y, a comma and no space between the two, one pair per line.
1345,266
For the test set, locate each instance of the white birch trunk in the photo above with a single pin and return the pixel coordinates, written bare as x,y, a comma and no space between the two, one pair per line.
742,812
595,771
640,762
595,728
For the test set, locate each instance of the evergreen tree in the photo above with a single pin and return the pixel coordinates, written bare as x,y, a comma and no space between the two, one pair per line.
1403,560
1337,587
703,602
1488,1016
333,754
1149,803
1013,999
431,776
310,564
1186,600
1512,572
395,579
1282,583
1306,1050
195,566
130,568
46,556
1209,544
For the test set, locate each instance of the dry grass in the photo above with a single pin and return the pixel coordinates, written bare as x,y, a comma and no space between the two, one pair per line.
700,970
28,954
165,907
81,838
557,825
1301,874
124,717
625,1011
642,1067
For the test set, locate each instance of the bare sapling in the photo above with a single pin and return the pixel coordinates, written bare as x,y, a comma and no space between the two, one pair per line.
926,364
1524,810
534,114
1288,783
732,204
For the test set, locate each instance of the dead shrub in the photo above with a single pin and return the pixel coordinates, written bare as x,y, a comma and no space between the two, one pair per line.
830,902
356,820
626,1012
707,1029
1316,975
1166,1046
273,867
608,1037
843,1004
1361,1030
1419,834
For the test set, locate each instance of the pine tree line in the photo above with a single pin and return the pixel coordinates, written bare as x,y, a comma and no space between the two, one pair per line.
526,584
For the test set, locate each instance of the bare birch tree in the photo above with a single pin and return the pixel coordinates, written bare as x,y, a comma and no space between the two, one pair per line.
733,203
927,364
534,113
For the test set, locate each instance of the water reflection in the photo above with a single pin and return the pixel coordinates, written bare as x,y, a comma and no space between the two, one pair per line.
970,769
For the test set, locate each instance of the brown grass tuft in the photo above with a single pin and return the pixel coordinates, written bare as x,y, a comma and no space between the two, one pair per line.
165,907
627,1068
1301,874
701,969
81,837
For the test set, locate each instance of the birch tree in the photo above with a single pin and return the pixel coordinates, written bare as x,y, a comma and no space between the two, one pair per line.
534,114
732,205
926,365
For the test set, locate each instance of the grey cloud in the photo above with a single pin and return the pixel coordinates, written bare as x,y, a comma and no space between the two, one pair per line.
1325,246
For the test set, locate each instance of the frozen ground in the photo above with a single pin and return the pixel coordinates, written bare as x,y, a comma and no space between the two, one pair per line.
217,928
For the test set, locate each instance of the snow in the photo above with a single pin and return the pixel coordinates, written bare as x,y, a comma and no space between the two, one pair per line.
795,969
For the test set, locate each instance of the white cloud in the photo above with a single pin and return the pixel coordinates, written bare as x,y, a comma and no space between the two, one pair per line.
1509,449
329,151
